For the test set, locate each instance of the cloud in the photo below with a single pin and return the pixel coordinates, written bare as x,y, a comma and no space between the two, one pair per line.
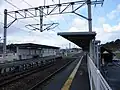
114,13
79,25
45,38
105,32
101,20
109,28
1,2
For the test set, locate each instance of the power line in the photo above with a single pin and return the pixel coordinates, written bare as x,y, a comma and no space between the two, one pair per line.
11,4
27,3
13,26
43,12
17,8
62,17
30,6
27,31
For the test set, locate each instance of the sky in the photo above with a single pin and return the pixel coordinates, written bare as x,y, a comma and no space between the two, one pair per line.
105,22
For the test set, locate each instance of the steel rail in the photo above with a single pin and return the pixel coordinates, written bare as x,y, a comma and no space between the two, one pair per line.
50,76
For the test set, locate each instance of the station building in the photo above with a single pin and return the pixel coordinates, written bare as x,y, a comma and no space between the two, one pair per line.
29,51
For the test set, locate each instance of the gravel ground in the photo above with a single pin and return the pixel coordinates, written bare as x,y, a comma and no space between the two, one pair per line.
27,82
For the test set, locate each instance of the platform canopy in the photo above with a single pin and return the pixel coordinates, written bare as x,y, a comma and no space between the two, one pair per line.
81,39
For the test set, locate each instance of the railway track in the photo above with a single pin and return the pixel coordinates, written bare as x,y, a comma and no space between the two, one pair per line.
36,76
49,76
9,79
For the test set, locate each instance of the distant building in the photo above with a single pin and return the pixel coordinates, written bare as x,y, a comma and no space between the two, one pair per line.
106,56
70,51
28,51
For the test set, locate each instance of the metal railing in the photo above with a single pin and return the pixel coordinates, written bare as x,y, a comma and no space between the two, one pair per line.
97,81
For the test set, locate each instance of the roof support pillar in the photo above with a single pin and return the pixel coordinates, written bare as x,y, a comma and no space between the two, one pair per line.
97,56
91,49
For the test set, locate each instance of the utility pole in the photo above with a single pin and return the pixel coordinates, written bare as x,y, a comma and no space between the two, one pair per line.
90,26
41,19
89,16
5,33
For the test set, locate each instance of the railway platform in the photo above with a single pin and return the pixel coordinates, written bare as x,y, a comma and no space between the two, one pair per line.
73,77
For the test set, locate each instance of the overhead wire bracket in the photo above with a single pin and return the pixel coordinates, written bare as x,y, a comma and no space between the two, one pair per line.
11,23
54,9
45,26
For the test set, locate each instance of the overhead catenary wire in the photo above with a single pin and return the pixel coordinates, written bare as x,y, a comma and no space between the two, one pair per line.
19,8
27,3
11,4
22,29
13,26
45,16
52,36
62,17
30,6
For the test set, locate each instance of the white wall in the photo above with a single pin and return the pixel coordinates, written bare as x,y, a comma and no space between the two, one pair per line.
29,53
9,57
48,52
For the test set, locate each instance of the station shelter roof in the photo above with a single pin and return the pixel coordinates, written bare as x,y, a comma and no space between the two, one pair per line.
81,39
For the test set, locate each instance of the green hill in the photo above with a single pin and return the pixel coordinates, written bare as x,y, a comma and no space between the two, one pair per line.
113,45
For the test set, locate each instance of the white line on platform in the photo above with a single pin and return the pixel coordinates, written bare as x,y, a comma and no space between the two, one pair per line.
68,83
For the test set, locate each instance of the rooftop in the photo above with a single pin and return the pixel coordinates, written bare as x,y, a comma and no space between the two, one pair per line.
31,45
81,39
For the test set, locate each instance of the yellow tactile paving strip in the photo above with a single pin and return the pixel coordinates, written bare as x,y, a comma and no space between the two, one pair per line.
68,83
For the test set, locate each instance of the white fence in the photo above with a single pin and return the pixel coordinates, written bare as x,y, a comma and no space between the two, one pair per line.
97,81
